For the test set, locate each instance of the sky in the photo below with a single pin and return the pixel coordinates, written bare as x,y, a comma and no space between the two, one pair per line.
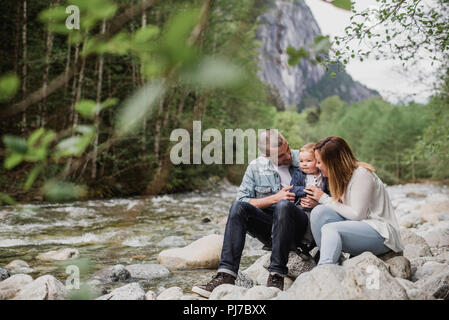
388,77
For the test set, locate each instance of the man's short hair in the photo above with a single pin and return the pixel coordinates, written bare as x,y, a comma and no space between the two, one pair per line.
269,138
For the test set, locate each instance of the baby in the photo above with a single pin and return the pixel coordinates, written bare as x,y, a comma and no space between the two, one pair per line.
307,175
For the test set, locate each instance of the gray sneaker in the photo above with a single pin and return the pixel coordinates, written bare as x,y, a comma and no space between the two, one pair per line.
217,280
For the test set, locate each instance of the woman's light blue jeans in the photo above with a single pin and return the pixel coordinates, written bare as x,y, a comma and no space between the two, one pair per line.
334,234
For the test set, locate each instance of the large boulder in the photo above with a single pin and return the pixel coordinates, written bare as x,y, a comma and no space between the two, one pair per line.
173,293
11,286
19,266
231,292
436,285
413,251
410,220
147,271
131,291
45,287
112,274
410,237
202,253
362,277
413,291
435,211
258,272
59,255
399,267
428,269
437,236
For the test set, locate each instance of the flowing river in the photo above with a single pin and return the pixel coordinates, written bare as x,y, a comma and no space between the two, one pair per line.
130,231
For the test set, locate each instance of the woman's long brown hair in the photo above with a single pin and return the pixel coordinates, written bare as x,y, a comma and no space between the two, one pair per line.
340,161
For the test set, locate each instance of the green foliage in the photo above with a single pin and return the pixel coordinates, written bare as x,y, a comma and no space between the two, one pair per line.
8,86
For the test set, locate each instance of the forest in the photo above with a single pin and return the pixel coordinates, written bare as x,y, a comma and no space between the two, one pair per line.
87,112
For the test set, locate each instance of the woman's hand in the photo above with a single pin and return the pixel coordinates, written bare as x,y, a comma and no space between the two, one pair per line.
314,192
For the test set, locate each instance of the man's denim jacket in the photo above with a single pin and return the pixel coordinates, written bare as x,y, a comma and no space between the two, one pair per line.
261,178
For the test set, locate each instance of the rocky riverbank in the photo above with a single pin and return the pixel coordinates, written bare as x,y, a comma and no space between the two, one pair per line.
422,272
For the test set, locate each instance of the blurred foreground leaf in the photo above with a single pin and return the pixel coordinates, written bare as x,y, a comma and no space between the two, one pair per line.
58,191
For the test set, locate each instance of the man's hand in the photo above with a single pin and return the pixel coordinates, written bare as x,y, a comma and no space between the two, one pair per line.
284,194
307,202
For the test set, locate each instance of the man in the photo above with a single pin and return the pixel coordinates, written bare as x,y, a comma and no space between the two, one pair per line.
264,209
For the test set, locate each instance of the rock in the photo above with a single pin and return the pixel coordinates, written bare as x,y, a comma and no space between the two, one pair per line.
173,293
362,277
244,280
261,293
11,286
206,220
45,287
59,255
410,237
147,271
227,292
112,274
399,267
19,266
4,274
131,291
390,254
258,272
202,253
413,291
172,241
192,297
410,220
412,251
150,295
435,211
428,269
297,265
438,236
231,292
437,285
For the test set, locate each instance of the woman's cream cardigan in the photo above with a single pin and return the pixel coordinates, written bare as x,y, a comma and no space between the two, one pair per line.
366,199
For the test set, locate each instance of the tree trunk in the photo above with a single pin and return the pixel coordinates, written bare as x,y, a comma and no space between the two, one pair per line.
99,90
142,82
25,63
48,50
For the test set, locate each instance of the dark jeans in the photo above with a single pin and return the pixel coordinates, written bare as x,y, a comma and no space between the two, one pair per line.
284,227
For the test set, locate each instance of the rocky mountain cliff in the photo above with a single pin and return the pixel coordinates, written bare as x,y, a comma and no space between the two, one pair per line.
291,23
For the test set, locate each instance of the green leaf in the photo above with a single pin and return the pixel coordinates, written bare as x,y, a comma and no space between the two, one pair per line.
15,144
32,176
5,198
34,137
13,160
213,73
8,86
342,4
87,108
138,106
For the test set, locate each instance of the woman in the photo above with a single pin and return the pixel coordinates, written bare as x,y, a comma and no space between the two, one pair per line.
359,216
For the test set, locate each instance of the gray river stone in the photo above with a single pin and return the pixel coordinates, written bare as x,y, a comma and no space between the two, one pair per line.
112,274
11,286
147,271
19,266
4,274
43,288
131,291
